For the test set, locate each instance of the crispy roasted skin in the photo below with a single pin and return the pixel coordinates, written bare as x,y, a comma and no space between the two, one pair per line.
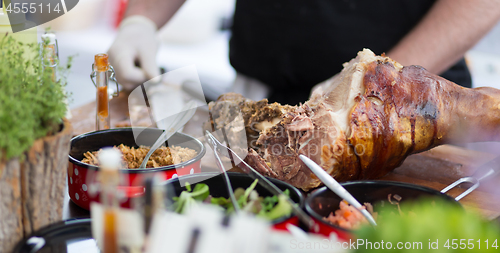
367,120
412,110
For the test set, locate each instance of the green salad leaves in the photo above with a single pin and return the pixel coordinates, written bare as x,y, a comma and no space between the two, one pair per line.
270,208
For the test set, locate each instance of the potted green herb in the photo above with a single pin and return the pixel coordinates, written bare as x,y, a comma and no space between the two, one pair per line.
34,141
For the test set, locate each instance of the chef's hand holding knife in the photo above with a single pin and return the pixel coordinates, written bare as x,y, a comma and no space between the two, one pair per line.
133,53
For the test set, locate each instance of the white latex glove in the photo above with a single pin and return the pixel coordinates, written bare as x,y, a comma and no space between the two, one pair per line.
136,41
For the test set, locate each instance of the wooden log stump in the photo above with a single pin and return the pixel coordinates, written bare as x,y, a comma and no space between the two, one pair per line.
32,190
11,230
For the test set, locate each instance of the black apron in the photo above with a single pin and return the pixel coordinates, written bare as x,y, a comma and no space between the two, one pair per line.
292,45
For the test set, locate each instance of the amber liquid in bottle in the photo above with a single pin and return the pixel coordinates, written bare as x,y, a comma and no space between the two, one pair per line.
109,179
110,241
102,102
110,215
101,67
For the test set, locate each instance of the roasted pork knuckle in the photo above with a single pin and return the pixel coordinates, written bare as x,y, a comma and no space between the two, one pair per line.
361,123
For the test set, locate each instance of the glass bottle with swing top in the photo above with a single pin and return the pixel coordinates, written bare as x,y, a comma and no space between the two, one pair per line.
50,52
102,72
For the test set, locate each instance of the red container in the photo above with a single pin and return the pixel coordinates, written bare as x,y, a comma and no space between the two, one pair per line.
321,202
218,188
81,176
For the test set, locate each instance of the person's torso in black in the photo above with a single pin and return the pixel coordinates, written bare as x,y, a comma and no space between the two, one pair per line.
292,45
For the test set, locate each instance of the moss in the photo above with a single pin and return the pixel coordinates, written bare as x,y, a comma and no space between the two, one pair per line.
31,102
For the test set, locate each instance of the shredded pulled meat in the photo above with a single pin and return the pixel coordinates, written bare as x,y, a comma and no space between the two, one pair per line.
133,157
348,217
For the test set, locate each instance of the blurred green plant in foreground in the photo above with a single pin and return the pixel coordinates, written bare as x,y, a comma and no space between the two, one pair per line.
430,225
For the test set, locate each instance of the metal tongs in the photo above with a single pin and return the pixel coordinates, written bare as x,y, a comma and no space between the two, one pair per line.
488,170
264,182
214,142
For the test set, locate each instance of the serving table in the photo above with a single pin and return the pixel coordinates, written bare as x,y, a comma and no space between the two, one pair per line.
435,168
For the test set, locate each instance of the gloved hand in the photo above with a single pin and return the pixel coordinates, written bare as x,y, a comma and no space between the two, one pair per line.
136,42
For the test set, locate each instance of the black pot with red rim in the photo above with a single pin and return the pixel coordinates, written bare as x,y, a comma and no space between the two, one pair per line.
321,202
217,187
81,175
